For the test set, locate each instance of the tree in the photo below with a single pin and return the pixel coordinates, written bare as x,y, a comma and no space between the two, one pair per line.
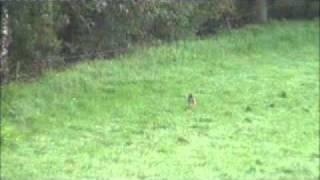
4,69
261,8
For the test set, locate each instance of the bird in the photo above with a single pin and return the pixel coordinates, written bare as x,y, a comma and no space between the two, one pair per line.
192,102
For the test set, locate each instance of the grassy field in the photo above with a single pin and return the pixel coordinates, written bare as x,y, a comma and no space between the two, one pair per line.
257,115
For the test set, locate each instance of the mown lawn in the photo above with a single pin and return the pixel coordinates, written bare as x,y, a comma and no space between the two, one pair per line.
257,115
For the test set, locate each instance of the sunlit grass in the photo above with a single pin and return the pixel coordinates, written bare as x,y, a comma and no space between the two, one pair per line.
257,115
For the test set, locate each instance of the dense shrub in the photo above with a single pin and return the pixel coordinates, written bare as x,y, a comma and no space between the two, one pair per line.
33,35
48,34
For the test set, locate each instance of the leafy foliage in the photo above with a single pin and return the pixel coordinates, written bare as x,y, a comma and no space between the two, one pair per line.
48,34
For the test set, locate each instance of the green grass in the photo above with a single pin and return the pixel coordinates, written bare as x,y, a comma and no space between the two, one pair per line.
257,116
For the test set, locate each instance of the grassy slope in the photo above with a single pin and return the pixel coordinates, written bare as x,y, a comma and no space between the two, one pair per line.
257,114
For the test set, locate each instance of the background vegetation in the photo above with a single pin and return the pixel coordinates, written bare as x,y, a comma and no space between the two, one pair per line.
49,34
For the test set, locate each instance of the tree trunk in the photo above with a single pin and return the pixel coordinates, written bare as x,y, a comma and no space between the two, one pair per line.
4,69
261,11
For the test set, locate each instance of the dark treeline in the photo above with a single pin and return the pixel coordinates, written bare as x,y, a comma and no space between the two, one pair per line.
49,34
